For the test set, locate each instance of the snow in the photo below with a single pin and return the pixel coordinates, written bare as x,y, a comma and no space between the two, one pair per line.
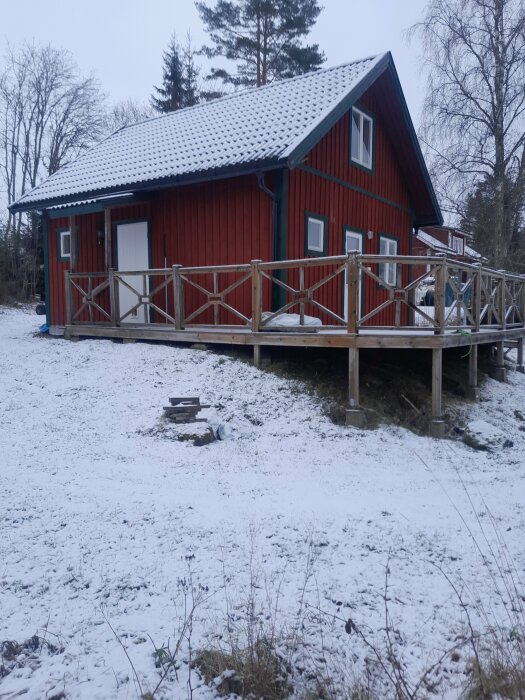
290,320
106,518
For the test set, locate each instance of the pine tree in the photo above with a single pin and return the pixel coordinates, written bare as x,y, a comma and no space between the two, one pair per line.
179,78
263,37
190,74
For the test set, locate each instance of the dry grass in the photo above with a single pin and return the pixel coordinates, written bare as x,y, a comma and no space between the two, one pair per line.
255,671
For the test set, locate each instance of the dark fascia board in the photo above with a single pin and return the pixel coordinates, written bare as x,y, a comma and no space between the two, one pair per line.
152,185
385,64
95,207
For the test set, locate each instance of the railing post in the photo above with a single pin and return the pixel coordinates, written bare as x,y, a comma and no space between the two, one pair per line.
522,302
439,295
256,295
178,299
476,300
215,293
399,285
352,278
69,300
301,289
113,297
503,300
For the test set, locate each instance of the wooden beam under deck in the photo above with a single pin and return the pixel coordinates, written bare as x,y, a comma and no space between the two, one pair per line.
327,339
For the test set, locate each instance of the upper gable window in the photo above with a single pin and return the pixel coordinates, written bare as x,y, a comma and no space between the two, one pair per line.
361,138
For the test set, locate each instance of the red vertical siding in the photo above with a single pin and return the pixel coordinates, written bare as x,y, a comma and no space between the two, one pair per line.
384,207
216,223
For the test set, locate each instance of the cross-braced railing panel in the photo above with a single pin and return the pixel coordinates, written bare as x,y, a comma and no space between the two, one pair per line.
87,299
350,293
216,295
311,291
144,296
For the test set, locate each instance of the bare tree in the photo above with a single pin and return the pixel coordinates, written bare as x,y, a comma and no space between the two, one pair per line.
49,114
474,113
126,113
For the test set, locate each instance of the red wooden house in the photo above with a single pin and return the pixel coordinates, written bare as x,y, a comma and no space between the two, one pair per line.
318,165
435,240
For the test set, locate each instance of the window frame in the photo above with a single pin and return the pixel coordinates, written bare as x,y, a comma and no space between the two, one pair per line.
358,163
385,268
61,233
459,240
362,233
315,252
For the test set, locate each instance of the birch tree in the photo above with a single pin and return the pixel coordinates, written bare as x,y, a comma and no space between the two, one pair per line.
474,113
49,114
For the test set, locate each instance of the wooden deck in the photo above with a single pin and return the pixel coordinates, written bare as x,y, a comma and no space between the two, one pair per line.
470,305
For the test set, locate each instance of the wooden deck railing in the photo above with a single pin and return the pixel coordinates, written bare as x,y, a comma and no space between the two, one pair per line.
348,293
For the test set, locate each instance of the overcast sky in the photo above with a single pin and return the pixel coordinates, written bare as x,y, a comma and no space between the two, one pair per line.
121,41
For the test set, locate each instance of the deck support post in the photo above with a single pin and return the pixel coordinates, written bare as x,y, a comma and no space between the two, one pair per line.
519,360
437,424
355,415
257,356
499,371
473,392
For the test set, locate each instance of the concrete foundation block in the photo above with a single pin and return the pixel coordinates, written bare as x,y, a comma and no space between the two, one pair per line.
498,373
356,417
437,428
128,340
473,393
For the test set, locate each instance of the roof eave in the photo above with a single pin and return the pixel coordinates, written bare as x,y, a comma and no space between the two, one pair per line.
142,187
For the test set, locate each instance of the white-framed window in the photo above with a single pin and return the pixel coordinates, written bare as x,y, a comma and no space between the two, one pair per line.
64,244
457,244
361,138
315,235
388,271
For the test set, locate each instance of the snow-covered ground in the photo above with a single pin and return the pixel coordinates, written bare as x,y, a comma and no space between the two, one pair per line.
106,518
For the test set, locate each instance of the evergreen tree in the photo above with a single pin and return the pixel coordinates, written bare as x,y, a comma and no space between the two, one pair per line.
179,79
480,220
263,37
190,74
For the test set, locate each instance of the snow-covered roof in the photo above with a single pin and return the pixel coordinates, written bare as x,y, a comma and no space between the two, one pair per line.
259,125
250,130
441,247
471,253
433,243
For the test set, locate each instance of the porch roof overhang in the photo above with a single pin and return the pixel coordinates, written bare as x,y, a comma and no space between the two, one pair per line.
93,205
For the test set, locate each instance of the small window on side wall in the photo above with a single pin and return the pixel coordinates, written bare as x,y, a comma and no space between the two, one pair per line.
361,139
64,244
457,244
388,271
315,235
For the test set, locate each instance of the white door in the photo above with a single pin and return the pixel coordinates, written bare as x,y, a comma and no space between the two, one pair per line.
353,244
133,254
